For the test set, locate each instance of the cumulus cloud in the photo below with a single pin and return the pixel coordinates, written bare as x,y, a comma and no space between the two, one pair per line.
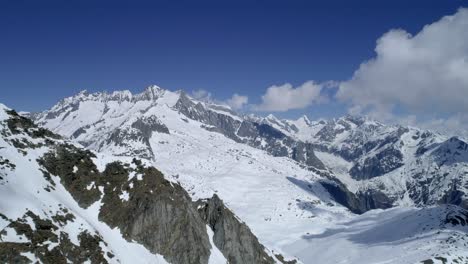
423,73
237,101
286,97
201,94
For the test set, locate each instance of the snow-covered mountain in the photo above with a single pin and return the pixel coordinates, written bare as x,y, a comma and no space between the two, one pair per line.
397,165
60,203
374,165
293,182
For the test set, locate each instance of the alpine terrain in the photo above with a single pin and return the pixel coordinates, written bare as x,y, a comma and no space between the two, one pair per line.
160,177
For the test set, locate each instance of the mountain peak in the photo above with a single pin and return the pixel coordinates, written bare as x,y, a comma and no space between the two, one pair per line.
272,117
151,93
83,92
121,95
153,89
304,119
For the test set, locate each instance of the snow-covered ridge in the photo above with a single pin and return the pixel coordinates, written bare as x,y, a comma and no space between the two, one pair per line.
61,203
150,93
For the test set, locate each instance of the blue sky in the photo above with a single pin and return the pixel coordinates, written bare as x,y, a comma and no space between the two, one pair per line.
53,49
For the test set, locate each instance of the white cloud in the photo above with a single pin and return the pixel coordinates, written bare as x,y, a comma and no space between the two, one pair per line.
201,94
286,97
424,73
237,102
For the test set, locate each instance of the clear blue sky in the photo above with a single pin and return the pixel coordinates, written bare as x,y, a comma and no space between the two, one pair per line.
53,49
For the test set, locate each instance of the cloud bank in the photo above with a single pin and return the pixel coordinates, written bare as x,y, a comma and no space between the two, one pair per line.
286,97
423,73
237,102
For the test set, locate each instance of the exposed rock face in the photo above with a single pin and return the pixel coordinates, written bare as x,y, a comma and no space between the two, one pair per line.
221,123
140,131
456,216
153,211
343,196
256,134
77,172
158,214
18,124
374,199
232,237
383,162
148,125
443,179
452,151
372,156
359,202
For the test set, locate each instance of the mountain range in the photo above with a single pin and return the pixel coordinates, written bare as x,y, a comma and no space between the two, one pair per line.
161,177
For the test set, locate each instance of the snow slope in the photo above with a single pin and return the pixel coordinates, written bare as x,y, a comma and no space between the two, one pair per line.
401,235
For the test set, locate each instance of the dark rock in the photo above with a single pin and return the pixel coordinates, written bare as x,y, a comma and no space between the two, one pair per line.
258,135
383,162
159,214
234,238
455,197
374,199
43,231
343,196
76,170
221,123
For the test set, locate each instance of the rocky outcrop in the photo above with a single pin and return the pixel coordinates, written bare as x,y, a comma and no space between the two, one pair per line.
18,124
217,122
374,199
233,237
157,214
76,170
256,134
44,239
140,131
359,202
455,197
452,151
376,165
343,196
146,208
456,216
